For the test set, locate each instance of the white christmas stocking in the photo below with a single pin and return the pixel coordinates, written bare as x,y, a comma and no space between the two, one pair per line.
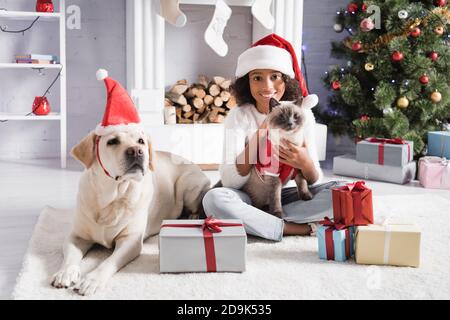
261,11
214,32
170,10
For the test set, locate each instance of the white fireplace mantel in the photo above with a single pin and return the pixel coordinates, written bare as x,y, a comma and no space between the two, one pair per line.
145,34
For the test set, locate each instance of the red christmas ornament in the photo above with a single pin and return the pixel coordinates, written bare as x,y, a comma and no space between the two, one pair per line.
41,106
440,3
44,6
423,79
397,56
336,85
356,46
352,7
364,7
433,56
364,118
415,32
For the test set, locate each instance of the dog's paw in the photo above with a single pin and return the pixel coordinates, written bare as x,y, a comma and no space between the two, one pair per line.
66,277
90,284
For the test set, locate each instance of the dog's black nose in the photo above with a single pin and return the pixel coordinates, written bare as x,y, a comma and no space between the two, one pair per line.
134,152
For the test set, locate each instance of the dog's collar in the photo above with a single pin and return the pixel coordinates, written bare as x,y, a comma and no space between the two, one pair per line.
97,144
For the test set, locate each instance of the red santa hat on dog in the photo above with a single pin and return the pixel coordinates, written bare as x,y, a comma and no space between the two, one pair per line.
274,52
120,112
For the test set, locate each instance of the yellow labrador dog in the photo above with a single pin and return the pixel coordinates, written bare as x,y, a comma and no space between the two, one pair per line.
122,205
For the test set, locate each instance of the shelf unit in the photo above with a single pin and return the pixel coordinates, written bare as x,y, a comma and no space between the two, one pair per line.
53,116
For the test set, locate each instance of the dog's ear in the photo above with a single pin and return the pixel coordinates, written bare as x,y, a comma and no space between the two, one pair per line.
151,156
84,151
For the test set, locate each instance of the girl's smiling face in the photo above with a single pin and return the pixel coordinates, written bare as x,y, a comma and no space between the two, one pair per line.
266,84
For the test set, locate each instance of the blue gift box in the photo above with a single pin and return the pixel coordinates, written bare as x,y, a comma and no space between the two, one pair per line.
339,239
439,144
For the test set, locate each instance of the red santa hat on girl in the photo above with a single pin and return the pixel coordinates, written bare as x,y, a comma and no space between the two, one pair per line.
274,52
120,112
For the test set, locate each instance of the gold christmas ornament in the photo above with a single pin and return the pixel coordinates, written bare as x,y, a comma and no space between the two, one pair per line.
436,97
442,12
402,102
439,30
369,66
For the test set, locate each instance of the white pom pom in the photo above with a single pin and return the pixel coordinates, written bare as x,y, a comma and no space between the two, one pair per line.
101,74
310,101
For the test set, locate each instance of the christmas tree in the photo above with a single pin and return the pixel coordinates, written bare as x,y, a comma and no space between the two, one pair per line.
396,82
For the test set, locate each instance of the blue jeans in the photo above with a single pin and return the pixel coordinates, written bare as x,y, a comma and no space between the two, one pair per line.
229,203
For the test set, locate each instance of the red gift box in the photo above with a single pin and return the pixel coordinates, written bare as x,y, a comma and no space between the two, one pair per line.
352,204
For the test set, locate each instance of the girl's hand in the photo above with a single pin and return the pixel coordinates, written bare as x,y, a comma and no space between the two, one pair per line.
292,154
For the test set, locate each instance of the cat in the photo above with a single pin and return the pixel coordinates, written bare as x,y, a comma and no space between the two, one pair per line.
286,120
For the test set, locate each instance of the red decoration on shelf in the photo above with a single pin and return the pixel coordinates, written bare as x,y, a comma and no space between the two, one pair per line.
44,6
397,56
336,85
356,46
433,56
440,3
364,7
416,32
352,7
423,79
41,106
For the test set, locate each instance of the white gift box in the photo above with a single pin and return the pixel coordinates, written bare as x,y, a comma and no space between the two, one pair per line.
184,246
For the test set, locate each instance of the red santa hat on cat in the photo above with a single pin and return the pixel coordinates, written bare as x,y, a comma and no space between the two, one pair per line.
120,112
274,52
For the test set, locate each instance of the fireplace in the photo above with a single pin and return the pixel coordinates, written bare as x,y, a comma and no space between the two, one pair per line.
159,54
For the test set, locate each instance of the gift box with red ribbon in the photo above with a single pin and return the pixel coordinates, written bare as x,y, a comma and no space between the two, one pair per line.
208,245
352,204
336,242
391,152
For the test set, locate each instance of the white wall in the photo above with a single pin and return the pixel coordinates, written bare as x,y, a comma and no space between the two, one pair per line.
99,43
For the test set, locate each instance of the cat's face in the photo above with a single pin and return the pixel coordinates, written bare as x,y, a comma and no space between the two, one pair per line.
286,116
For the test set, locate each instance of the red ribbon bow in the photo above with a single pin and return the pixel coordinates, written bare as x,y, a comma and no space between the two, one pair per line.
383,141
352,204
329,243
209,226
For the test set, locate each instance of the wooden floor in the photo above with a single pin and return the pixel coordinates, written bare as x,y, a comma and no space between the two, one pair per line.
26,187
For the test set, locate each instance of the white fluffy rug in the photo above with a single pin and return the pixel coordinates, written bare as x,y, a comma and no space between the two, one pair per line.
290,269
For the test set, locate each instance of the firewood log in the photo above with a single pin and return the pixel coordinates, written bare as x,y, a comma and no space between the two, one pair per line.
225,95
214,90
218,80
167,103
179,88
200,93
204,116
188,114
208,99
178,112
183,120
218,102
182,81
177,98
225,85
186,108
197,103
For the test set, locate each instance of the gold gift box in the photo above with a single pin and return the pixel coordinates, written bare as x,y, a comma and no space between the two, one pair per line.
392,244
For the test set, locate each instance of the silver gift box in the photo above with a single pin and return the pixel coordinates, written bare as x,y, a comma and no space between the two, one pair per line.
394,154
347,165
183,249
